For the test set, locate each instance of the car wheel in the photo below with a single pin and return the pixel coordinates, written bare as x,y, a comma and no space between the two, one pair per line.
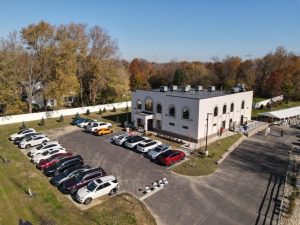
44,142
88,201
27,146
113,191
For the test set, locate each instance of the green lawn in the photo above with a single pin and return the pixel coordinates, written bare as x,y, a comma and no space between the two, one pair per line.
284,105
199,166
48,204
255,100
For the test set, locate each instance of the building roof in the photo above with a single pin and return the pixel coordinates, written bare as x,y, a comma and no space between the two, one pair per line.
192,94
284,113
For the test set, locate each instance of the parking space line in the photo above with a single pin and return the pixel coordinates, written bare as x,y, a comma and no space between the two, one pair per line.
178,163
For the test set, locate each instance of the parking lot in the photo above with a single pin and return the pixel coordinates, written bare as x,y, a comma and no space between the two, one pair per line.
241,191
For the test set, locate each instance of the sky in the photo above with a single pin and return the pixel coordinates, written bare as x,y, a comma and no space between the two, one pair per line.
172,30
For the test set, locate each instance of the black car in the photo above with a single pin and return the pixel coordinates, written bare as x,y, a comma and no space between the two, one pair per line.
68,173
17,141
71,185
63,164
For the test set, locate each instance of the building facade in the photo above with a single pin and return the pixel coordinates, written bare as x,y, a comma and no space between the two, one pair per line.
183,113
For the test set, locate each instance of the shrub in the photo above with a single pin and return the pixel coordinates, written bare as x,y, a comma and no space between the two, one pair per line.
114,109
61,118
100,111
104,110
42,122
77,116
127,108
23,126
87,112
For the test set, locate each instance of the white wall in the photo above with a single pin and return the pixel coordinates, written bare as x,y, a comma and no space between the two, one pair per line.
207,106
57,113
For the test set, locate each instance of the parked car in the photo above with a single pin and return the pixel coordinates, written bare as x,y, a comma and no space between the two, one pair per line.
21,133
152,154
62,164
121,139
97,188
33,141
45,163
103,131
85,123
44,146
97,126
133,141
78,121
68,173
47,154
170,157
147,145
17,141
115,137
81,180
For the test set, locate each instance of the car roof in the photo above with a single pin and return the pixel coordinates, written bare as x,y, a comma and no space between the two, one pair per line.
104,179
167,153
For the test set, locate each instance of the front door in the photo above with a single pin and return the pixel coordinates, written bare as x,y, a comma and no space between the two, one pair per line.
242,120
150,124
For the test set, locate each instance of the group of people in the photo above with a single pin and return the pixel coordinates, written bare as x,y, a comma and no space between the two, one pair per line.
268,131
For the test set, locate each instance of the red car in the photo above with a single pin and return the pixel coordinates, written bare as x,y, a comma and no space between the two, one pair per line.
170,157
45,163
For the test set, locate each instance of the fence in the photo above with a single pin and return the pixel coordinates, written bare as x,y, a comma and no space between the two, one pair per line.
58,113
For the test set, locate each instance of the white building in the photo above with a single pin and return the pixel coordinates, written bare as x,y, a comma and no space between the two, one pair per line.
183,113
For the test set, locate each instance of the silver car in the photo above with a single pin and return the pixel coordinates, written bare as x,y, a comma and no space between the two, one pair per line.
152,154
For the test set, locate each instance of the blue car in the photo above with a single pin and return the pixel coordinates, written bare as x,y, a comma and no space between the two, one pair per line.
77,121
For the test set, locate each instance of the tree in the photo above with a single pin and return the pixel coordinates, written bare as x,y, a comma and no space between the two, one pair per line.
139,70
179,77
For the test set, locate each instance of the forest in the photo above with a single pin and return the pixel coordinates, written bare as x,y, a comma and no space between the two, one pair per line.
43,61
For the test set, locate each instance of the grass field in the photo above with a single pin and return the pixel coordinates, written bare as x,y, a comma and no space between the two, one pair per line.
199,166
49,206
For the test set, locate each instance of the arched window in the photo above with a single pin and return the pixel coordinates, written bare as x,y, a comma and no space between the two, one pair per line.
186,113
149,104
139,104
243,105
172,111
224,109
231,107
216,111
158,108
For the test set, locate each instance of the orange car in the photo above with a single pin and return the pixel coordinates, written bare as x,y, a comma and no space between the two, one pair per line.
104,131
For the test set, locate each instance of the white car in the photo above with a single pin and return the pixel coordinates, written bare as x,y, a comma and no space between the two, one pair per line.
43,147
21,133
84,124
117,136
97,126
32,141
133,141
47,154
97,188
147,145
121,139
41,151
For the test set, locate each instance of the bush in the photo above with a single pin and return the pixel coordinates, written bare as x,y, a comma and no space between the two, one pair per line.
42,122
77,116
104,110
127,108
87,112
114,109
61,118
23,126
100,111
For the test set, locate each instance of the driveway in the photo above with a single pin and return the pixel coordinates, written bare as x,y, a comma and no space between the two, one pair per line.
243,190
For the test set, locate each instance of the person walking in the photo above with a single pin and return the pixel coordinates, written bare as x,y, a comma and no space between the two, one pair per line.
281,133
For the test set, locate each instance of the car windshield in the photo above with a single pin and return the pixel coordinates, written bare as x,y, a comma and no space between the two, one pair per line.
39,147
91,186
45,153
78,178
29,138
157,149
21,131
121,137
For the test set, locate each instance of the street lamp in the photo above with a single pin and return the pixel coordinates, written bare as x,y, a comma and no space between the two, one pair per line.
206,151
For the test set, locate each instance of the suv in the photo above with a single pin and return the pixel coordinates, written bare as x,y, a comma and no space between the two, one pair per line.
21,133
147,145
121,139
97,188
68,173
97,126
133,141
157,151
33,141
63,163
81,180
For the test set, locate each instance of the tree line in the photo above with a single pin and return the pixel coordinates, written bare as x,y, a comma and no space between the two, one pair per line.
43,61
277,73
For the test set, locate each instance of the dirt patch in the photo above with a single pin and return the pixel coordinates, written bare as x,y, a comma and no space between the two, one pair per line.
57,132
